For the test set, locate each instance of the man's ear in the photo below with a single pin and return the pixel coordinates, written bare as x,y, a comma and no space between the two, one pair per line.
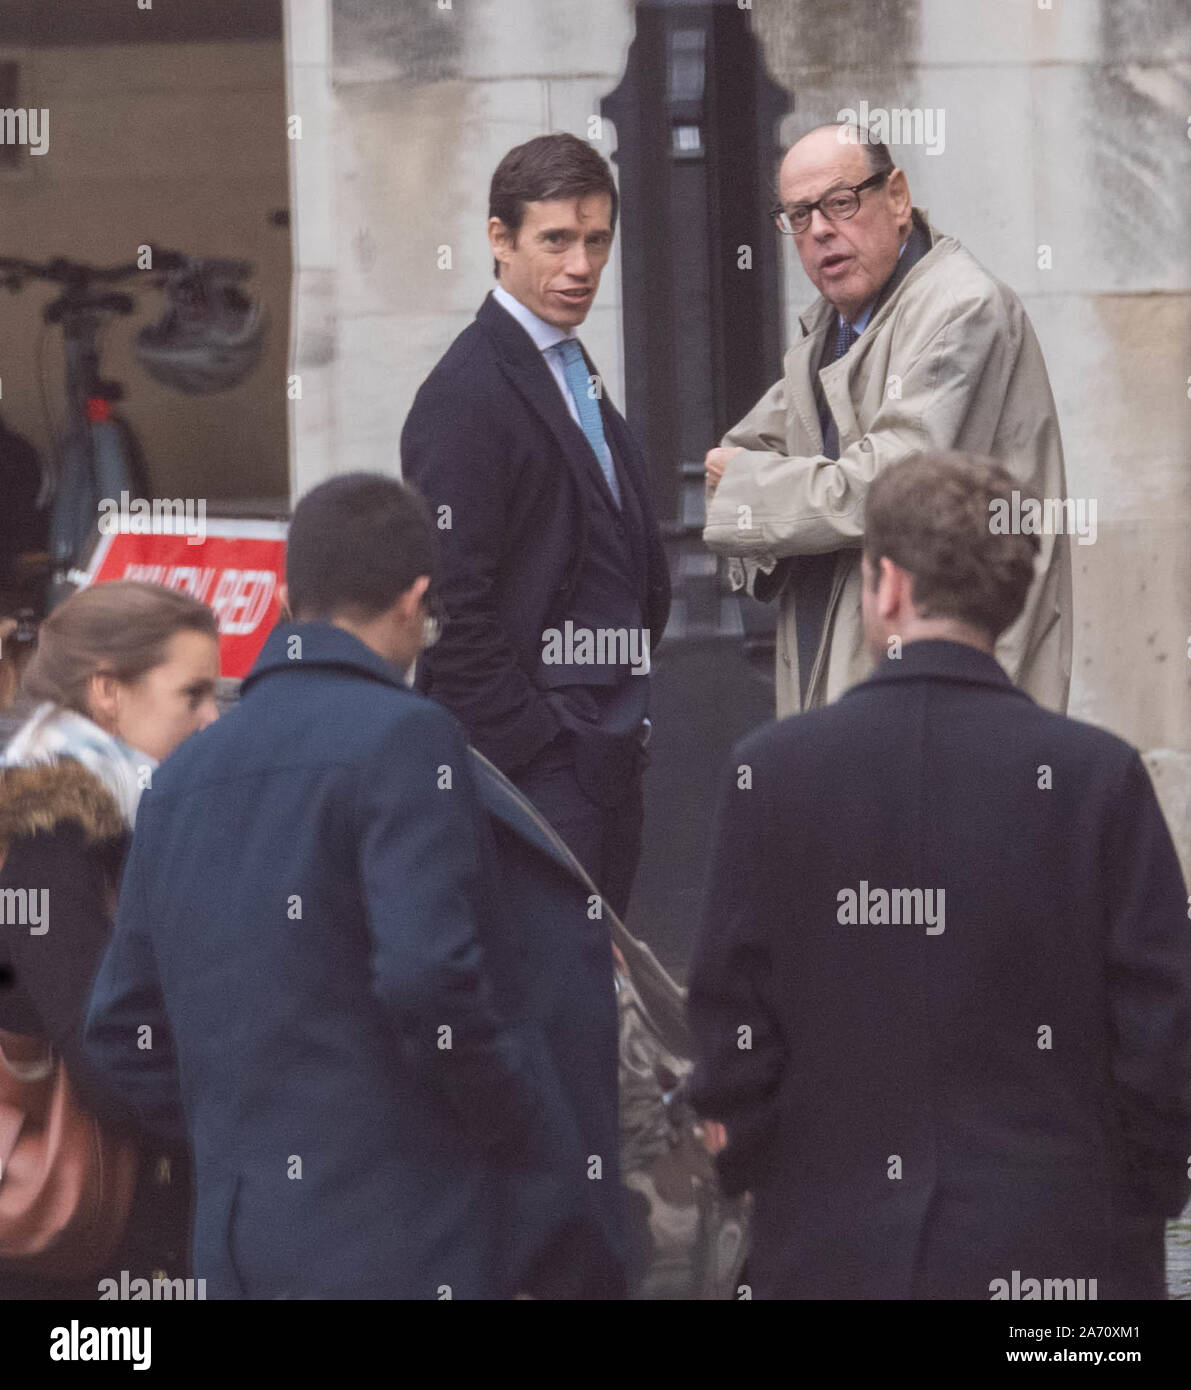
283,599
412,598
898,190
500,239
892,590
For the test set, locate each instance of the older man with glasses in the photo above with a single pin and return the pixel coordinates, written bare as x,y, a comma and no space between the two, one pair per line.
912,345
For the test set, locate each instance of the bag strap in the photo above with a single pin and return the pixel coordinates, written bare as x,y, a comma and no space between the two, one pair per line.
12,1121
12,1116
666,997
28,1073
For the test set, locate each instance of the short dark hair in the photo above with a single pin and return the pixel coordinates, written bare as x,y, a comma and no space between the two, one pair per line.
544,169
932,516
356,544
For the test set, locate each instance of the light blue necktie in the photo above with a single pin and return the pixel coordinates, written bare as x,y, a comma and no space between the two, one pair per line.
590,422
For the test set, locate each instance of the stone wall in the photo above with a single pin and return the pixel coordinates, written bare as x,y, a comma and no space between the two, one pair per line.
1063,168
1065,130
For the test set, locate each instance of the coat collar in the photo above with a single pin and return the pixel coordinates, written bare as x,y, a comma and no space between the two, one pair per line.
804,357
544,335
320,644
935,659
39,799
822,315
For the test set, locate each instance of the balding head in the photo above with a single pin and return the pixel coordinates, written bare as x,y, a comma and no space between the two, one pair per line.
847,260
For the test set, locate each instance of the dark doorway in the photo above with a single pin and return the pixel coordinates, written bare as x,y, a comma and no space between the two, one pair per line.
697,120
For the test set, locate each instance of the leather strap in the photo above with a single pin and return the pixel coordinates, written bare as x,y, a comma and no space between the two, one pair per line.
28,1073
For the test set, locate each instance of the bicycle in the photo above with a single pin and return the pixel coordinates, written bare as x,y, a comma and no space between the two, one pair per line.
99,455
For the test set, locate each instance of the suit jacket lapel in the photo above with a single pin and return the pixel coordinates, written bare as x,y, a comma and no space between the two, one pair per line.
522,363
635,502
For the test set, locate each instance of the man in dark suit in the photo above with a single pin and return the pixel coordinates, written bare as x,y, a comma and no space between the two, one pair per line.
942,993
554,577
318,963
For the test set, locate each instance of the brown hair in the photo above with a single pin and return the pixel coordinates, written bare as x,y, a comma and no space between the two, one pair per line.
931,515
544,169
120,628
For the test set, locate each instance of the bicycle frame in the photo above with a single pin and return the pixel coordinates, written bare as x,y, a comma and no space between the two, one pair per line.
99,456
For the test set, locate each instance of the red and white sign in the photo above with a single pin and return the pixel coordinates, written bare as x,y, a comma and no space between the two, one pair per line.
237,571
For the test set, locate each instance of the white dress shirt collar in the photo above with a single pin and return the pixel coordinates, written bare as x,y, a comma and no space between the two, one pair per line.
545,335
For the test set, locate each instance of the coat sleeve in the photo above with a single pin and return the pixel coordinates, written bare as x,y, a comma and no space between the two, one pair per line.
458,460
739,1049
421,869
128,1036
769,505
1149,982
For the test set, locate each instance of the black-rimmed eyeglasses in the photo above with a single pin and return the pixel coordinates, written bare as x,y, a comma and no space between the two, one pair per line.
837,205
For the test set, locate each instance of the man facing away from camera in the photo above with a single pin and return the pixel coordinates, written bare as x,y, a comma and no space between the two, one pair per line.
912,345
315,977
554,579
942,993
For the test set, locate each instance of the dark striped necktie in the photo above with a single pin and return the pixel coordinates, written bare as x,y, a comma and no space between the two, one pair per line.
847,336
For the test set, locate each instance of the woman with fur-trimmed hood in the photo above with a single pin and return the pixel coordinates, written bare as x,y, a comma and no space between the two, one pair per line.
122,674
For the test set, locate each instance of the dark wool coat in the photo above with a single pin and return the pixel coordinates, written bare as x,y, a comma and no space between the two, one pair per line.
61,830
922,1111
384,1099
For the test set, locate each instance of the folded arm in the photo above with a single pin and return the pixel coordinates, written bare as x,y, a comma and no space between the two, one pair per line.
771,504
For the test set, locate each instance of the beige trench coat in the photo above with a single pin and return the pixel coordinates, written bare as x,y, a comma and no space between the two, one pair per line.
949,362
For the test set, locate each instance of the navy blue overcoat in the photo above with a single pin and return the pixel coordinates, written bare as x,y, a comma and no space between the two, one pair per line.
394,1056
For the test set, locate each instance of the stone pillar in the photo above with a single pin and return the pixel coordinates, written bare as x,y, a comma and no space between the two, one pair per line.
312,415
